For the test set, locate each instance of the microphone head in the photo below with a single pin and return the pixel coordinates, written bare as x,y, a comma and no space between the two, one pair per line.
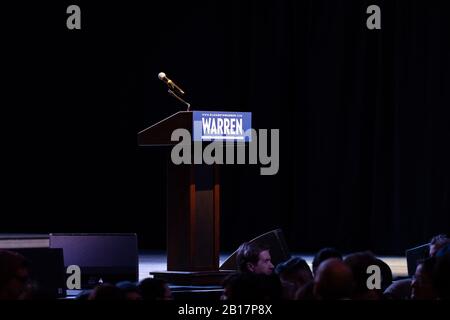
161,76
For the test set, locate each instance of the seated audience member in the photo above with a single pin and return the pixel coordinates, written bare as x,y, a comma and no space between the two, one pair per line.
130,290
254,258
294,274
359,263
106,291
422,283
249,286
402,289
155,289
14,276
333,280
437,243
322,255
295,270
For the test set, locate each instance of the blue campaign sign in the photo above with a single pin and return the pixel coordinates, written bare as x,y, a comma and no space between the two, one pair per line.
220,125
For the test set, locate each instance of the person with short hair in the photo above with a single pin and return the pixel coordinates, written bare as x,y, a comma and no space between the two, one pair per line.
333,280
130,290
14,276
254,258
155,289
324,254
294,274
437,243
422,283
294,270
249,286
358,263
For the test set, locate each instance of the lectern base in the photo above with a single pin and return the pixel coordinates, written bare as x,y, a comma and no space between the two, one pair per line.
193,278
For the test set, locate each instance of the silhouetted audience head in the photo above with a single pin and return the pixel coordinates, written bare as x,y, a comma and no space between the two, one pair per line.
441,277
295,270
437,243
130,290
359,263
324,254
155,289
422,282
248,286
333,281
254,258
14,276
106,291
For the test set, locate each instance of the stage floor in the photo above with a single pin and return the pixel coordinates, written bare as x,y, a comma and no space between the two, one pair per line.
156,261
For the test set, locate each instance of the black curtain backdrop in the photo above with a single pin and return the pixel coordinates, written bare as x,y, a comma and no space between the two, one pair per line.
363,117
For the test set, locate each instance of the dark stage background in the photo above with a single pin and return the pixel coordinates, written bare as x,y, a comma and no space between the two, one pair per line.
363,117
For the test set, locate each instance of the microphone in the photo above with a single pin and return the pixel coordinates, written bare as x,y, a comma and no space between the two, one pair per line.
170,83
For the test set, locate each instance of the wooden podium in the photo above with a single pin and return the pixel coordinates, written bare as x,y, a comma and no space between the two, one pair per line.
193,211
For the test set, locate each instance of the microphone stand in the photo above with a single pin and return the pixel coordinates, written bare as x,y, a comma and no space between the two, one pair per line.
173,94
